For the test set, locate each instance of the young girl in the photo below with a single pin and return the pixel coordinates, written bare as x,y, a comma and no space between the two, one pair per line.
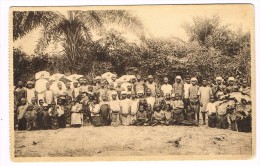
105,110
54,116
95,113
158,115
76,114
149,113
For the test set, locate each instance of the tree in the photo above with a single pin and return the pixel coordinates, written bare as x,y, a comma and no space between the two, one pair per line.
74,32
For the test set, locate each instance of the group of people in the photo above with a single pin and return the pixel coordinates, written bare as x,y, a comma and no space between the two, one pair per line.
138,102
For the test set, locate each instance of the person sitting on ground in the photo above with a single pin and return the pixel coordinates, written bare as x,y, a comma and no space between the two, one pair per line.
178,109
158,116
212,112
168,115
149,113
141,117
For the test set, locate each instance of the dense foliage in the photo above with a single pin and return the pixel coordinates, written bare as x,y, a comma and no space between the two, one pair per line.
213,49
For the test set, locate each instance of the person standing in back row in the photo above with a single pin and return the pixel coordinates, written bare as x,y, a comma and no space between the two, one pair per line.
178,87
205,93
194,98
150,84
166,87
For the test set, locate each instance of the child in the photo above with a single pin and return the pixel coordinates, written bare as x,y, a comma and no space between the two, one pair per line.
54,116
49,96
31,117
133,108
104,111
30,91
204,94
95,113
45,117
75,92
178,107
168,99
60,111
76,114
69,90
149,98
149,113
158,116
168,115
194,98
102,91
115,109
21,110
125,109
141,117
212,113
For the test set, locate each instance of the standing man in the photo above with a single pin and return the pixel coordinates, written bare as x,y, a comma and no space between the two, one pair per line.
150,84
166,87
19,93
178,87
194,98
186,86
139,85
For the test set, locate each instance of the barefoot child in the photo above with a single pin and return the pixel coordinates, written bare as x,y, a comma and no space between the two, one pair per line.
134,108
125,109
178,109
212,112
141,117
158,115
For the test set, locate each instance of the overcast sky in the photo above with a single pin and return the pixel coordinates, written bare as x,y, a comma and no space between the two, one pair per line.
167,21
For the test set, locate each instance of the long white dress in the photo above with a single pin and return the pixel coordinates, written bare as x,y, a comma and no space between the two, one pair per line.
76,116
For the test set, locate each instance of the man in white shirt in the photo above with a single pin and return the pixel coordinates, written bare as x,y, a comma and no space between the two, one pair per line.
166,87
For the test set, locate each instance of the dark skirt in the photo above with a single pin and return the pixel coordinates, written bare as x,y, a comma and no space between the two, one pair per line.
222,122
96,121
46,121
22,124
212,120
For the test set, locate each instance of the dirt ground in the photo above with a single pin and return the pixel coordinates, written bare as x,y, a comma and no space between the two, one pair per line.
131,140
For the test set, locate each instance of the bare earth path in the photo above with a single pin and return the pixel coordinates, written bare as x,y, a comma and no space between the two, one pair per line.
131,140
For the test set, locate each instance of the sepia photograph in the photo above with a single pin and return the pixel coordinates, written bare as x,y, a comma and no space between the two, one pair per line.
141,82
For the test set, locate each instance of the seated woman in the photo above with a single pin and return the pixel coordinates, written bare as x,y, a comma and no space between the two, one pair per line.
158,115
76,113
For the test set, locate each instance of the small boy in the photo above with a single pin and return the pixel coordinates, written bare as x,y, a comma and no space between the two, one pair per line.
49,95
31,118
158,115
212,112
141,117
149,113
45,117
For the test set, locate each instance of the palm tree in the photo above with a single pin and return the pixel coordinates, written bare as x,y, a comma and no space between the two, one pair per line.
73,31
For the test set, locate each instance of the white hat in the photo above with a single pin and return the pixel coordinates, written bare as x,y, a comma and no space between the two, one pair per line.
193,79
219,78
231,79
178,77
114,93
45,105
123,92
